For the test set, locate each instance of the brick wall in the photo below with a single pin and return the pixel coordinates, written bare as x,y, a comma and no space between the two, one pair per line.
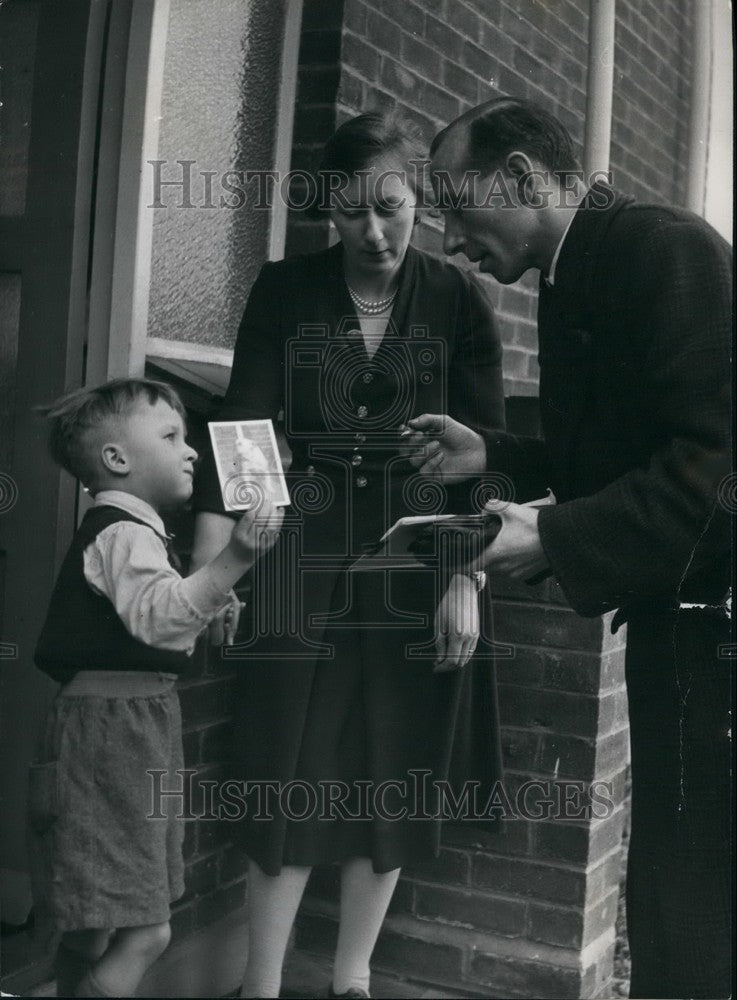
437,58
531,913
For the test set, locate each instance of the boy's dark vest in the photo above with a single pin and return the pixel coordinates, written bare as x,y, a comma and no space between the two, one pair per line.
82,629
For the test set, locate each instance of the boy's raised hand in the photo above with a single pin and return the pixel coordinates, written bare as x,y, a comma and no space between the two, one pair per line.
257,530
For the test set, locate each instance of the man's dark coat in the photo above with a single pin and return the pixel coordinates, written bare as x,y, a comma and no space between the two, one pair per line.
635,400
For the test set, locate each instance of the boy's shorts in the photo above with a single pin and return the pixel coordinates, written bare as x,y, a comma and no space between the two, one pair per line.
99,857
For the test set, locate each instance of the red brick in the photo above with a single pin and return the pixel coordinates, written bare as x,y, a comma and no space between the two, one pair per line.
496,42
601,917
603,877
612,752
556,925
465,20
462,83
212,835
515,362
360,56
532,624
411,956
516,876
406,14
352,92
401,82
537,979
200,877
613,711
233,864
540,709
568,756
513,839
419,56
559,841
450,867
478,60
403,899
383,33
606,835
439,103
471,909
354,16
520,749
444,38
572,671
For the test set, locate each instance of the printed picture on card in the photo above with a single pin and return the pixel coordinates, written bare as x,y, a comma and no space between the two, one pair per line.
248,464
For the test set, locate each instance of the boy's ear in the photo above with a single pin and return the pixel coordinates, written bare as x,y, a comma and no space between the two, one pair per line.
114,459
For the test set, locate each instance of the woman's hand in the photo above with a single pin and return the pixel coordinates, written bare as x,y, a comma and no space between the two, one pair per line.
457,624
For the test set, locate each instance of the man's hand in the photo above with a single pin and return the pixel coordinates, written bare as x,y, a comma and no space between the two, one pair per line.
439,446
456,625
516,551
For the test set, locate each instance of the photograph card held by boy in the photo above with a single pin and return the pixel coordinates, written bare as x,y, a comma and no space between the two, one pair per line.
248,463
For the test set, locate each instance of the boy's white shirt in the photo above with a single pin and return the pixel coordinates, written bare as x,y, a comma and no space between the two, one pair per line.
128,564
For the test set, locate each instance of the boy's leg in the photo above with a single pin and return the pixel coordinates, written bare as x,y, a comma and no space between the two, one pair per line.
273,902
132,952
77,952
364,900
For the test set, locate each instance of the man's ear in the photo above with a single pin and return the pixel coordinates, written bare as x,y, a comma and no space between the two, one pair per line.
532,183
114,459
518,164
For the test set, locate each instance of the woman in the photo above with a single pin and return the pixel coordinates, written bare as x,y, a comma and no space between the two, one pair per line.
339,691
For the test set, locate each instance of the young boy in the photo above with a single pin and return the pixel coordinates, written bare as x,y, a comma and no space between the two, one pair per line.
121,625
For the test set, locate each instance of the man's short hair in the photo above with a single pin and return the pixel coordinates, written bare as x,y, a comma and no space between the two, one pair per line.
75,415
506,124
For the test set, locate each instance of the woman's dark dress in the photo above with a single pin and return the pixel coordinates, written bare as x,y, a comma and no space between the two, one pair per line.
354,698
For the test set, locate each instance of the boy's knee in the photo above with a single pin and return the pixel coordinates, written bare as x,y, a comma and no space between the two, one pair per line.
161,937
149,941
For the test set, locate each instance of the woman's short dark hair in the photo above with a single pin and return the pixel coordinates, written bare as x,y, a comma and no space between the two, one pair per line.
505,124
362,140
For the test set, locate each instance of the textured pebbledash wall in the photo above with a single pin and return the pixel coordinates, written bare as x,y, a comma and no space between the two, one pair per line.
437,58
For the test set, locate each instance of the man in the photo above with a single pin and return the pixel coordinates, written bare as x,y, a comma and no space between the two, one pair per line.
634,322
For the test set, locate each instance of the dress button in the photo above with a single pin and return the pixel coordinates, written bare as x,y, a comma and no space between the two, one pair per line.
360,438
356,460
368,377
362,412
361,481
310,470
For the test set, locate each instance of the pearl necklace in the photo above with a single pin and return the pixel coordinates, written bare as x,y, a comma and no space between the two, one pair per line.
369,308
